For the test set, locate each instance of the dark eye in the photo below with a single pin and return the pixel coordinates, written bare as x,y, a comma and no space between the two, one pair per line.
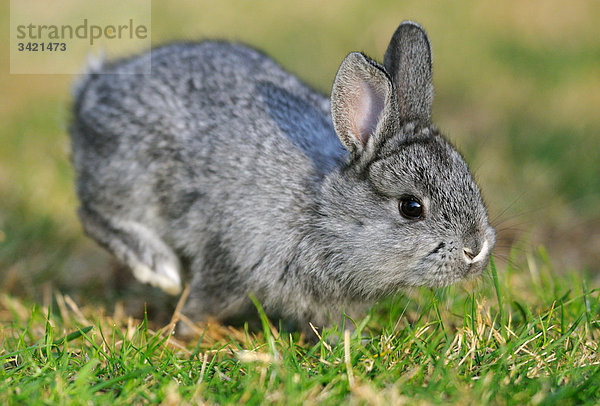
410,208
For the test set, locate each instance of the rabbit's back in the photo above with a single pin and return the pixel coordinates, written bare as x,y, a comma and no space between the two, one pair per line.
213,118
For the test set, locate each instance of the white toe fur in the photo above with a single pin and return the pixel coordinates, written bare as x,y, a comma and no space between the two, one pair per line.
166,277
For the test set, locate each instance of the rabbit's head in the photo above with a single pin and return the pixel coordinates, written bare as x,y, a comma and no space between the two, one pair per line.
405,208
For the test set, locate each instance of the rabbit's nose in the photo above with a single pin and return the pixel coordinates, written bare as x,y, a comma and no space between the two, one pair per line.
477,253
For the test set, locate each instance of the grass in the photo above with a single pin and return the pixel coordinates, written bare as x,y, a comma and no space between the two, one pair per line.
498,343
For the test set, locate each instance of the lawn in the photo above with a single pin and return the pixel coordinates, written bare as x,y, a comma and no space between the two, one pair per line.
517,90
516,339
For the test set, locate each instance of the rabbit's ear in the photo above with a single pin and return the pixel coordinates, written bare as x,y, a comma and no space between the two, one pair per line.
360,100
408,61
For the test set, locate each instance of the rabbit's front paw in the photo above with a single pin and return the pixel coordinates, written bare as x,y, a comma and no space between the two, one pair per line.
163,275
149,257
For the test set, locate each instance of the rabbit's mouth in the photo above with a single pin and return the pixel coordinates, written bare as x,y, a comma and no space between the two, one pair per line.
447,264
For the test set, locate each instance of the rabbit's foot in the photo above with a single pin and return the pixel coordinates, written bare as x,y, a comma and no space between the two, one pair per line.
151,260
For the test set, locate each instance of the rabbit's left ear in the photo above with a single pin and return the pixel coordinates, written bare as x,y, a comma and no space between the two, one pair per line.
361,101
408,61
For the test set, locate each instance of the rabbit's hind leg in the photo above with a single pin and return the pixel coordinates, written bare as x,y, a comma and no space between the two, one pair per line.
151,260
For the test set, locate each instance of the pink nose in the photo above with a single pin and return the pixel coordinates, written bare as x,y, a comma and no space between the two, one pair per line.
471,256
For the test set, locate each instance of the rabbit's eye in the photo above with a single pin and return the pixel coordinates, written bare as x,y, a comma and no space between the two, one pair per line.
411,208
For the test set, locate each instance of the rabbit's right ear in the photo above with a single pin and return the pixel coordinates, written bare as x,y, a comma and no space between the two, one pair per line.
361,100
408,61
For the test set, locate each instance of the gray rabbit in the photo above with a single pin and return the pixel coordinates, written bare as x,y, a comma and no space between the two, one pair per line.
221,168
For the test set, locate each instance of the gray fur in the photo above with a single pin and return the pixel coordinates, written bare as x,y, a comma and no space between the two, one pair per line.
225,163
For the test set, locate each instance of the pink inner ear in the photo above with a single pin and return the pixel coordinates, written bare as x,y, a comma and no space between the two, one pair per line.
368,105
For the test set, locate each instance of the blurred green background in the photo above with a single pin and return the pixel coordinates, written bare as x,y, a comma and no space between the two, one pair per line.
517,89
